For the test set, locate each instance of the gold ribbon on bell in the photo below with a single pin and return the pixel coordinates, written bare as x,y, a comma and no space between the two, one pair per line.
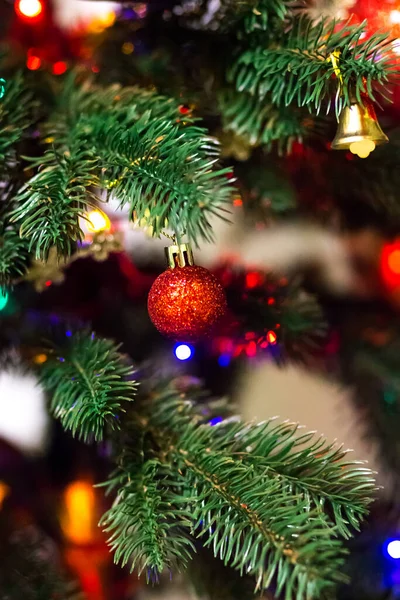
358,129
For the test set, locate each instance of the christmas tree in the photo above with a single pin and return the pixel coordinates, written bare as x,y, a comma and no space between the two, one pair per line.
248,126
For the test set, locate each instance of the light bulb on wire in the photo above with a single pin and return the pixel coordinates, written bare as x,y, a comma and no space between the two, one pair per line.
29,9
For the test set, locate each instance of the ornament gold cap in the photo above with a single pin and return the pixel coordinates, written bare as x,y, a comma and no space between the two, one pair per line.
358,123
179,256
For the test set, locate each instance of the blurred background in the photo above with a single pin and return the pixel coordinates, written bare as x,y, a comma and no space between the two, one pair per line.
310,261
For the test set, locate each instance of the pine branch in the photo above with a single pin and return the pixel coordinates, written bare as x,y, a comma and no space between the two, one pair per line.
299,69
134,143
89,383
148,530
53,201
268,502
164,172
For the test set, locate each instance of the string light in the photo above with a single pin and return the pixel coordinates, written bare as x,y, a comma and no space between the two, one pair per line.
183,351
29,9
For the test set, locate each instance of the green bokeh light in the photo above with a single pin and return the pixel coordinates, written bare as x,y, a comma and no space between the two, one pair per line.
3,299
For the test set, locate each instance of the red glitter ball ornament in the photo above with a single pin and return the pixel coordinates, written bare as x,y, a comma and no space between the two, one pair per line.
185,302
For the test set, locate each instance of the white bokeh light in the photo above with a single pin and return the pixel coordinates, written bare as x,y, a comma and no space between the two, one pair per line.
183,352
23,417
393,549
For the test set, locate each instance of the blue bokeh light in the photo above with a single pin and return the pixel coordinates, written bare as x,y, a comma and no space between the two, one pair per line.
224,360
392,548
183,351
215,421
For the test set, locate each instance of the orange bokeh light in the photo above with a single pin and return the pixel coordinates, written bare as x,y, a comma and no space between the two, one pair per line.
79,519
33,63
394,261
271,337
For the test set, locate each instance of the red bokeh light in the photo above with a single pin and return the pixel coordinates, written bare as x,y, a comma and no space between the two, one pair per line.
253,279
59,67
390,264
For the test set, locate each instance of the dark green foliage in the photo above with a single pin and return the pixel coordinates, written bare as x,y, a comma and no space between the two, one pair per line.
16,115
266,190
269,501
262,123
31,570
90,383
13,255
298,69
241,16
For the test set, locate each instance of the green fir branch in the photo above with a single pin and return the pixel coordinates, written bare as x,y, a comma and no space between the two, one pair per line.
299,71
136,144
149,531
164,172
269,502
52,202
89,383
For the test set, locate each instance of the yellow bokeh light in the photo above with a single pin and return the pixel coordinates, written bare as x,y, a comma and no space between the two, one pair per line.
102,22
97,221
128,48
29,8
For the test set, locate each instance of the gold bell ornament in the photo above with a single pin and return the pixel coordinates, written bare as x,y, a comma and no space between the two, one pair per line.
359,130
